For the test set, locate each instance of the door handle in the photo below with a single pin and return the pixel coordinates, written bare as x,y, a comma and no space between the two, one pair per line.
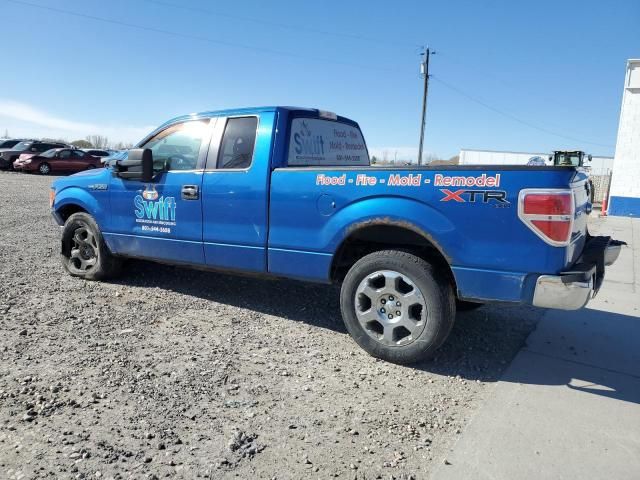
190,192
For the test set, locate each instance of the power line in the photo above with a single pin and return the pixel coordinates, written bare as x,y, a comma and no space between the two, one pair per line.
513,117
285,26
196,37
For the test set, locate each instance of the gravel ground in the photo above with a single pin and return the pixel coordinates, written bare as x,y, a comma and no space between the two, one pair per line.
170,372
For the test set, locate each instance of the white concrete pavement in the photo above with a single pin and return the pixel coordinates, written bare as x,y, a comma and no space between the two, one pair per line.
568,406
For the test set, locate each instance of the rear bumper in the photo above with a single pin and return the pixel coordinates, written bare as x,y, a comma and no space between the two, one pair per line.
554,291
572,289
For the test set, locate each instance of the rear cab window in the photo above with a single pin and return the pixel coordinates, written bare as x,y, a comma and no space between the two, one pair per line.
317,142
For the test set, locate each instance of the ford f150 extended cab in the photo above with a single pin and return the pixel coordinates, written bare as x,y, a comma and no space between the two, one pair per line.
289,192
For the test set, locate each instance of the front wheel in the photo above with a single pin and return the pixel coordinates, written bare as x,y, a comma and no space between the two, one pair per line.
84,253
44,169
396,306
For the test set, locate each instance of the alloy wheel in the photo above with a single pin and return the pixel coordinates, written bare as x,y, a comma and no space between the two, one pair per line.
390,308
84,250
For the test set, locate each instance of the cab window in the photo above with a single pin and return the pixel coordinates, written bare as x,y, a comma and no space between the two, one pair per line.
315,142
177,147
236,150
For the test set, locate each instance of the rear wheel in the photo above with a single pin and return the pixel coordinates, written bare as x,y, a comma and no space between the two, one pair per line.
44,169
84,253
396,306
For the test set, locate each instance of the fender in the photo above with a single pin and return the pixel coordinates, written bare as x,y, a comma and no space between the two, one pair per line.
85,200
390,210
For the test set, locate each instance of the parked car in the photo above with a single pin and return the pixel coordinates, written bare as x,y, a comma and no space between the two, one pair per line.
116,155
99,153
289,192
58,160
29,147
9,143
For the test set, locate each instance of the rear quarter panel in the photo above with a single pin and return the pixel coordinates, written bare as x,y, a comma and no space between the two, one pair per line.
313,210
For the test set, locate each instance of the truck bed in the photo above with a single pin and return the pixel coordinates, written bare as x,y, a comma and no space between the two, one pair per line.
476,228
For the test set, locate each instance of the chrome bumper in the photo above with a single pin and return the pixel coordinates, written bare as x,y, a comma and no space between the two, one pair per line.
552,291
611,253
571,290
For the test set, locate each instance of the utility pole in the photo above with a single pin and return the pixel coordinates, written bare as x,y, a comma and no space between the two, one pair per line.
424,71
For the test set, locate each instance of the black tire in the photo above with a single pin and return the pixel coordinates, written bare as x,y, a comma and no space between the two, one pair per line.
74,259
464,306
436,317
44,168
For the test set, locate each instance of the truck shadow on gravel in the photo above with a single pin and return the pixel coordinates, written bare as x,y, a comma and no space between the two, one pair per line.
481,346
482,343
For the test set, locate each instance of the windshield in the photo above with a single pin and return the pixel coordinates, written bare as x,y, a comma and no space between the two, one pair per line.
119,155
49,153
568,159
22,145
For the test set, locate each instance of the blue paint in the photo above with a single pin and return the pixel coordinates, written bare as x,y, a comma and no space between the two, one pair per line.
290,222
624,207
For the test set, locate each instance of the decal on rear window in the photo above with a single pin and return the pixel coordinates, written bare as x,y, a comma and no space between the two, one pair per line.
315,142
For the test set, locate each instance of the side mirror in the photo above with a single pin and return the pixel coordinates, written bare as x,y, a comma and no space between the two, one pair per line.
550,158
138,165
589,157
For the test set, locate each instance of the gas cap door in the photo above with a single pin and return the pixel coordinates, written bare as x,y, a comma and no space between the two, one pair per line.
326,205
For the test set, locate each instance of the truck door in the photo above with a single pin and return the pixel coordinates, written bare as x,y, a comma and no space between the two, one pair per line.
163,219
235,192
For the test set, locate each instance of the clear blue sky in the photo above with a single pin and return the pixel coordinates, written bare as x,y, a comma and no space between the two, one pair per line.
558,65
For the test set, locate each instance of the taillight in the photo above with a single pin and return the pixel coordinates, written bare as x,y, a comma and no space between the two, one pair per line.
549,213
52,197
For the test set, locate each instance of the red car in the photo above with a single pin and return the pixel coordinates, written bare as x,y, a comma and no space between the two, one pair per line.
58,160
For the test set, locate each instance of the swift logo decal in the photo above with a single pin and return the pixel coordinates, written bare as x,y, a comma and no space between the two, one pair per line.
150,193
163,209
155,213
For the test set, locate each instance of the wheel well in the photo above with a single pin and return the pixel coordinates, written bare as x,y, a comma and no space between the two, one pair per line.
68,210
373,238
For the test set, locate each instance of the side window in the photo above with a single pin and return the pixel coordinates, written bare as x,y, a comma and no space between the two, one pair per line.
77,155
65,154
236,149
318,142
177,147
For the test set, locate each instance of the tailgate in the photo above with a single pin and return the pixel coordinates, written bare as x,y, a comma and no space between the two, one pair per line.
583,206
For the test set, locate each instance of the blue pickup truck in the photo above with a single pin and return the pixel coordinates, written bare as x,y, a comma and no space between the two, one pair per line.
290,192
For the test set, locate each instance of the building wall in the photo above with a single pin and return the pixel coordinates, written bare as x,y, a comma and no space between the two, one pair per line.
491,157
625,183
